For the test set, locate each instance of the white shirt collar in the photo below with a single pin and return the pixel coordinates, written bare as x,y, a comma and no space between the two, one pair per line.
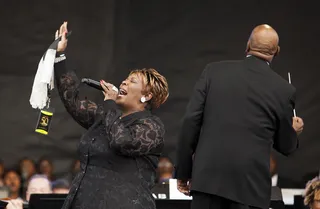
274,180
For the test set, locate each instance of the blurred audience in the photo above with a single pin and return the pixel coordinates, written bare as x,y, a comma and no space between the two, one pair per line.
15,204
60,186
13,182
1,172
165,170
46,168
38,184
312,194
45,183
27,168
33,183
75,168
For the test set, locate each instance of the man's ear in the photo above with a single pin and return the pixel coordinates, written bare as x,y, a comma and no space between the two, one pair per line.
278,51
248,47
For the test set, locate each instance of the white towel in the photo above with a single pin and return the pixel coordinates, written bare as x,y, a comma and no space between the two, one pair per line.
43,80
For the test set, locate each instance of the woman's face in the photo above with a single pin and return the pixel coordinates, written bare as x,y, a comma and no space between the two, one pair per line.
165,166
46,167
12,180
130,92
28,168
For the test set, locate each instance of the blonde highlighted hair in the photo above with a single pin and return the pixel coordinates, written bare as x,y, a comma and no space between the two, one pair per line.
312,192
156,84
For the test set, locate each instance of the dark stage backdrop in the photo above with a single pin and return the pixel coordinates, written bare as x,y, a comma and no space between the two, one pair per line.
176,37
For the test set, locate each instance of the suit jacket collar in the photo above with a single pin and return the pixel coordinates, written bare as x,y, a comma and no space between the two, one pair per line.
249,56
257,63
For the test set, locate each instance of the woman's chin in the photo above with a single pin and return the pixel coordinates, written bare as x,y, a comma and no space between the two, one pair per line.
119,101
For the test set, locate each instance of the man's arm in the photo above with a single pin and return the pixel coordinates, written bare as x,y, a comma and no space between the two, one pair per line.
286,139
191,128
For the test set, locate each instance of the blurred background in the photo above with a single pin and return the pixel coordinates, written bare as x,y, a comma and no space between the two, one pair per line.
176,37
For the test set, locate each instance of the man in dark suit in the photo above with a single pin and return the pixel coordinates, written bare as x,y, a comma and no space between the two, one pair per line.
237,112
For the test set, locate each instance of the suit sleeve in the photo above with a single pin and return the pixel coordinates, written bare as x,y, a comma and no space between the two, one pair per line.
191,127
286,139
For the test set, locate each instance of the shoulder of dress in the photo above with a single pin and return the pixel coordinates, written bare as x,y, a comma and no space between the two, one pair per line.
152,120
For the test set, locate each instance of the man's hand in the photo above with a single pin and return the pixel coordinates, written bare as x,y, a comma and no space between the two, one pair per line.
184,186
109,91
298,124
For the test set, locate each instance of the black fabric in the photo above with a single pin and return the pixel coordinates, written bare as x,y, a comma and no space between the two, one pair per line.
237,112
116,153
177,38
207,201
3,204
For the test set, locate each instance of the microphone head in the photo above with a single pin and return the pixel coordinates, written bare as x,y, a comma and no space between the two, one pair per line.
115,89
84,80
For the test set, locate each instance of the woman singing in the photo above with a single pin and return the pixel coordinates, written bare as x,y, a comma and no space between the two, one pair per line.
119,152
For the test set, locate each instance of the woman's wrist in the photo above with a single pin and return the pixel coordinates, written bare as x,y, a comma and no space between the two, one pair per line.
109,104
60,56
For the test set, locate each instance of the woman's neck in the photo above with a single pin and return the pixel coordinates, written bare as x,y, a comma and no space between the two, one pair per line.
14,195
130,111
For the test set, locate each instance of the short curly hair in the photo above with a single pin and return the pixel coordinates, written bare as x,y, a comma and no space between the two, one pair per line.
156,84
312,192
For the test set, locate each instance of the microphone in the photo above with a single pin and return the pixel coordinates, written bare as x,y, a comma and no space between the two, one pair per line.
95,84
92,83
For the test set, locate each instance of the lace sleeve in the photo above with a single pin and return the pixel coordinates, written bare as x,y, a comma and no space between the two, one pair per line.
83,111
146,136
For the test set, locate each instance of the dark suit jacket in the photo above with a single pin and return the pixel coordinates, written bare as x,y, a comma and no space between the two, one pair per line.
238,110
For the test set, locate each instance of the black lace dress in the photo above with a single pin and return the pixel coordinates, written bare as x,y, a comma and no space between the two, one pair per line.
118,155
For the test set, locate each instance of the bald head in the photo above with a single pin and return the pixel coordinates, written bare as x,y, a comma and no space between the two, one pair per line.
263,42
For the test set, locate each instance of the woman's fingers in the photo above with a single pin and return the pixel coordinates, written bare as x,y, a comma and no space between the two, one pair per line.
66,27
61,30
104,86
